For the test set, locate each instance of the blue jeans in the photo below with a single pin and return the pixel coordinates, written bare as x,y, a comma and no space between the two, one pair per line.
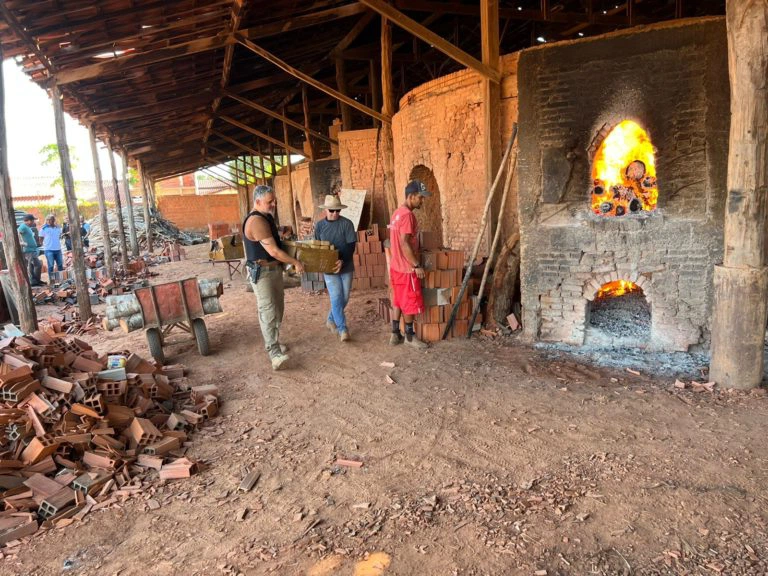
54,256
339,286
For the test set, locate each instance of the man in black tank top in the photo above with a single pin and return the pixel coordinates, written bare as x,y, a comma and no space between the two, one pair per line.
264,253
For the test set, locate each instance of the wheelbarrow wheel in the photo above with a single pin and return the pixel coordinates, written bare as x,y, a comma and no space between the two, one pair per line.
201,335
155,342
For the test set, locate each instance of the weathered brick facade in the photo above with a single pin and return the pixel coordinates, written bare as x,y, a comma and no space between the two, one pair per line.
671,79
439,138
196,212
311,182
358,160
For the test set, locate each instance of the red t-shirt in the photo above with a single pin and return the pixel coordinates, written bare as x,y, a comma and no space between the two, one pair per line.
403,222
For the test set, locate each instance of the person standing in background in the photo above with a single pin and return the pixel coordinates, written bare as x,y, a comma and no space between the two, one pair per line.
51,235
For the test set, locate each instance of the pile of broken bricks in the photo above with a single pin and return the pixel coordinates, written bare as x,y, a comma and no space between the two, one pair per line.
76,436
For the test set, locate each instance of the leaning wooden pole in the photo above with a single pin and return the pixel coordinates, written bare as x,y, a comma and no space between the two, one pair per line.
481,232
78,256
16,268
387,109
145,204
118,209
129,205
108,262
741,282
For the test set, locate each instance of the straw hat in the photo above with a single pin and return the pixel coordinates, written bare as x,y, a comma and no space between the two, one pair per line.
332,203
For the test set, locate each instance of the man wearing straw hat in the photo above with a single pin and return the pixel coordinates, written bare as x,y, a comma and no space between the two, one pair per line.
340,232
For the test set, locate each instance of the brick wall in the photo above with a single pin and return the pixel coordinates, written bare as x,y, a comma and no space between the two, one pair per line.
357,159
196,212
311,182
673,80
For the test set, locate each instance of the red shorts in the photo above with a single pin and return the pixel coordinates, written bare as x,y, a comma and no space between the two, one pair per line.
406,292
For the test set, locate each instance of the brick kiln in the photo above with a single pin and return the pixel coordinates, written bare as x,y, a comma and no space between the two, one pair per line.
622,185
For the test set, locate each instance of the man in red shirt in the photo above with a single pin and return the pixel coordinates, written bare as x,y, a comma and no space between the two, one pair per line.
405,271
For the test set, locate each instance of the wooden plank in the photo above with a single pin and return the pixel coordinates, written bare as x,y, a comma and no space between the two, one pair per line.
425,34
78,256
258,133
128,61
308,79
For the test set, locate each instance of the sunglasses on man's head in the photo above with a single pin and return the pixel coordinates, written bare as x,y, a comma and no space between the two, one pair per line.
334,211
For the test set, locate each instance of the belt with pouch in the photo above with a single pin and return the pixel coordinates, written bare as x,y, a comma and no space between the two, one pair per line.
266,263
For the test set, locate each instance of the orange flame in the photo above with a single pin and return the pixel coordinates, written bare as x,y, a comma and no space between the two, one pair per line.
617,288
615,181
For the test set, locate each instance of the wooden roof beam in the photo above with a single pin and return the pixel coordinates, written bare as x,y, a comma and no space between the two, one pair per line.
426,35
291,23
162,107
122,63
258,133
309,80
277,116
234,142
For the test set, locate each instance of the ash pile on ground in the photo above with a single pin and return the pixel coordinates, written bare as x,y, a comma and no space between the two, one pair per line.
627,316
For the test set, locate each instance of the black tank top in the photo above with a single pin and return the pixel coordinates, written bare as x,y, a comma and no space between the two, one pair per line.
254,250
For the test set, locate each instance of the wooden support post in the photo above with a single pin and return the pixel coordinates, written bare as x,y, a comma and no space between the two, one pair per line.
741,282
387,110
78,257
145,203
243,194
129,205
374,80
16,266
272,167
118,208
489,24
341,86
102,203
307,131
292,209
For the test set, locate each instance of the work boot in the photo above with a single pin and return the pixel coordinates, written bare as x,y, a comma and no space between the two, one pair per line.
396,338
331,326
279,361
411,340
344,336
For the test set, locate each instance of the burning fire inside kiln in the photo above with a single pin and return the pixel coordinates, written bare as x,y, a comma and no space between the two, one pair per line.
619,315
624,172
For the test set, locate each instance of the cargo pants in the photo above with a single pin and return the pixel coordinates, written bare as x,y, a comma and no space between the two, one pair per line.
270,301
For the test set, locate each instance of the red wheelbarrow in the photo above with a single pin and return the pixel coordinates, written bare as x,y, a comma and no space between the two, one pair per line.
172,305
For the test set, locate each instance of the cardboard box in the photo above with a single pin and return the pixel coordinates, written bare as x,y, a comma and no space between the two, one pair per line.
228,247
316,259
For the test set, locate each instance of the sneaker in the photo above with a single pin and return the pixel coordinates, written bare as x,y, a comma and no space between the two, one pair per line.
278,361
331,326
344,336
396,338
416,343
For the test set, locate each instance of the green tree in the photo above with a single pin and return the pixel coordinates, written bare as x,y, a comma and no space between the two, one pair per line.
50,156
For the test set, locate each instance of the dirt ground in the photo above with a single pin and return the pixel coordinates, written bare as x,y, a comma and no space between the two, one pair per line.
481,457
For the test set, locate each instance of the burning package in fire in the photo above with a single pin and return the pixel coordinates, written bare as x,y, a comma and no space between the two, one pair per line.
624,177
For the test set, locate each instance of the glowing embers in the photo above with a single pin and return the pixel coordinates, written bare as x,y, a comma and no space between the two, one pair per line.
624,172
620,315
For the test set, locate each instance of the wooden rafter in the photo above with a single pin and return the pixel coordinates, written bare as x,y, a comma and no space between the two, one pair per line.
277,116
425,34
309,80
258,133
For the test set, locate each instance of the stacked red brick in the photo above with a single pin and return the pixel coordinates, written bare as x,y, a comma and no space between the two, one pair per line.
370,260
440,287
